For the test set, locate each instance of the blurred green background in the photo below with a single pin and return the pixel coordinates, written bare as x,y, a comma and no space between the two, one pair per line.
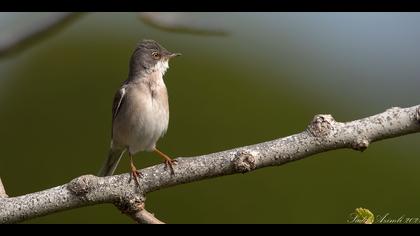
265,80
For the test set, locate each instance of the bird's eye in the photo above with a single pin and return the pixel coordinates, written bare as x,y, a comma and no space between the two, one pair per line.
156,55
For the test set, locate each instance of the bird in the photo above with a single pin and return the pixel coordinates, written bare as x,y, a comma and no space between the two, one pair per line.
140,110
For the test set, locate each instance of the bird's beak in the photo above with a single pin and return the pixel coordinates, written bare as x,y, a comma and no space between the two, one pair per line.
174,55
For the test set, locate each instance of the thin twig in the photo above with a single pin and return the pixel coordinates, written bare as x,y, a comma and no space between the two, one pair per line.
136,211
322,134
18,41
145,217
2,190
180,23
142,216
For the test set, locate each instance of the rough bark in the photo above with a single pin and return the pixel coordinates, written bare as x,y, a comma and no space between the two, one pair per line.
322,134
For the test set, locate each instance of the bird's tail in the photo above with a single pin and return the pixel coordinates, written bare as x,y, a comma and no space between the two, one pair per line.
111,162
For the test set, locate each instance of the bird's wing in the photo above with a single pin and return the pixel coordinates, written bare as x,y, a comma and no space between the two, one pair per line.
115,154
119,99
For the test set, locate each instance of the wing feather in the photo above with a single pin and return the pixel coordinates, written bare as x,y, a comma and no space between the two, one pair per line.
119,99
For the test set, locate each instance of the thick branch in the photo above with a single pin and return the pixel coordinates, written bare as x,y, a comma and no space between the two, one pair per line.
27,36
322,134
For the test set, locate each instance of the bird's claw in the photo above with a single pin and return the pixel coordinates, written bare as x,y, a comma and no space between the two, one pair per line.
136,175
170,163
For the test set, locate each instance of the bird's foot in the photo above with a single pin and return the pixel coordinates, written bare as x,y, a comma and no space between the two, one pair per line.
135,174
170,163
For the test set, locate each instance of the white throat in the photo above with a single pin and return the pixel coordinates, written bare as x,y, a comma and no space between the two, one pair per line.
161,67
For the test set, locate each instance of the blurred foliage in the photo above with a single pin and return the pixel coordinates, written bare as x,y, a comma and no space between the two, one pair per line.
364,215
266,80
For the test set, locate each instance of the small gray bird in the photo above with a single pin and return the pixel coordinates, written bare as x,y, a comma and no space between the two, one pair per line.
140,112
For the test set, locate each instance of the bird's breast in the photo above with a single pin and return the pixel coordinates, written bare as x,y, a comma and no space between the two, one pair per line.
149,112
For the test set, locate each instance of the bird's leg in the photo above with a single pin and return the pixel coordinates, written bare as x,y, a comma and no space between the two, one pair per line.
135,174
168,161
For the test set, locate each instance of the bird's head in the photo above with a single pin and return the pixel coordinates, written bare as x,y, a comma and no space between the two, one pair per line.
149,56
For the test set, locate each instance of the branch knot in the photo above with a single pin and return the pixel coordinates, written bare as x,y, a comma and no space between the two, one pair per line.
418,114
321,125
244,161
130,205
360,144
81,185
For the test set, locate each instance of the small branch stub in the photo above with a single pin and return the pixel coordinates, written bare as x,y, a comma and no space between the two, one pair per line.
418,114
360,144
321,125
244,161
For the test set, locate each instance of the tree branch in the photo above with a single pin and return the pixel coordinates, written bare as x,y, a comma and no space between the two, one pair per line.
21,39
321,135
141,215
27,36
180,23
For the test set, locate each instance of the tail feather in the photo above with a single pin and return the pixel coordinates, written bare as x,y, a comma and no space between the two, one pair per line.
111,162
